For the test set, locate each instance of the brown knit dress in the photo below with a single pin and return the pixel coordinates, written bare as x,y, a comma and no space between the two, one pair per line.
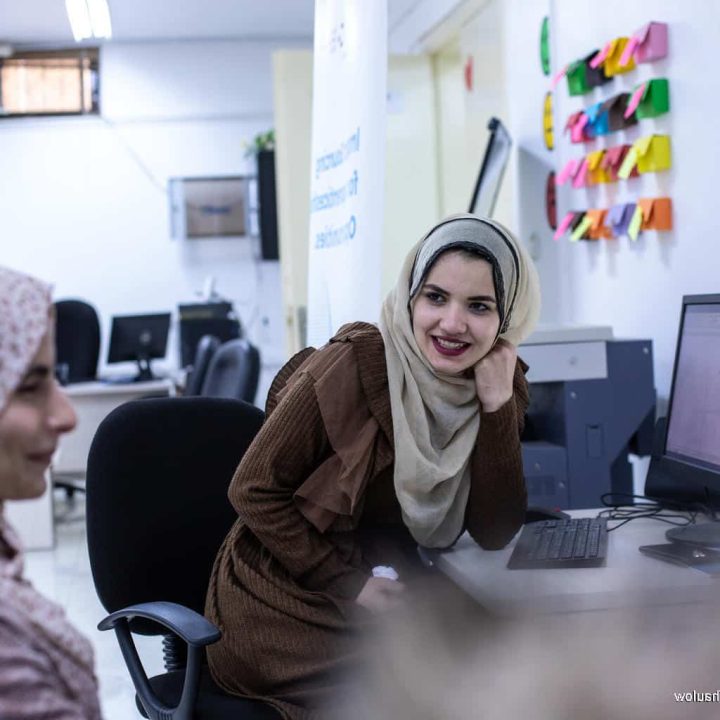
317,510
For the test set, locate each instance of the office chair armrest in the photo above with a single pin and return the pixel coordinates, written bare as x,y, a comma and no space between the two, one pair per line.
188,625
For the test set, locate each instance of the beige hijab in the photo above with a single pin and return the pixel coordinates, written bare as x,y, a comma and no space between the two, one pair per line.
436,417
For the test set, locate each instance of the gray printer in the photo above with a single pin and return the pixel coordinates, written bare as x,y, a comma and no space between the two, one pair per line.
592,401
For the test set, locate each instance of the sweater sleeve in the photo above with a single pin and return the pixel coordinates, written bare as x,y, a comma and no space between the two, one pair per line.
498,496
29,686
289,447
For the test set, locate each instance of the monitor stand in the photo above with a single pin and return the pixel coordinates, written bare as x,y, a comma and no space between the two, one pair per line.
706,534
144,370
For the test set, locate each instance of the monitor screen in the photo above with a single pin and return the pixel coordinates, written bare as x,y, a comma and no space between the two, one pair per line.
492,169
139,338
685,469
693,434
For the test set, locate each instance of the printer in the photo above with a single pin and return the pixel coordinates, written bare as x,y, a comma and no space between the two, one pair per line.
592,402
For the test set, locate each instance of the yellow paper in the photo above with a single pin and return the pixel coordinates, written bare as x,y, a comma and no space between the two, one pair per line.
612,64
628,163
634,227
596,174
582,228
655,155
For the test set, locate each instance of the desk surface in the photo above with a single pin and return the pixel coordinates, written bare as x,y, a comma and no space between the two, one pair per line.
97,388
629,579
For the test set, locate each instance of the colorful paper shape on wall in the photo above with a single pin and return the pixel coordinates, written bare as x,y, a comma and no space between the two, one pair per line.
564,225
651,99
569,171
613,159
581,228
598,121
551,200
656,213
598,230
545,46
650,154
548,134
610,56
576,124
619,217
648,43
582,78
633,228
580,179
596,173
618,117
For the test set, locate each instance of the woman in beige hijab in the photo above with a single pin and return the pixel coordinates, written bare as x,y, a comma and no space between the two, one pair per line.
46,666
380,441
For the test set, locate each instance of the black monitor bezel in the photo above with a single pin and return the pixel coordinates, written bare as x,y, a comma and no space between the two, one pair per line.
164,318
669,478
496,127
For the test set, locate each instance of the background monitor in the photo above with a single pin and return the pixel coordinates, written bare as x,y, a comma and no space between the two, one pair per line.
686,467
492,169
139,338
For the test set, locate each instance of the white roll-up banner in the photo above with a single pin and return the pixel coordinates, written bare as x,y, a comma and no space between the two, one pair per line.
348,165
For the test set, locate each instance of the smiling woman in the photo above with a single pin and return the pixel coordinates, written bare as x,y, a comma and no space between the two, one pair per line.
382,440
46,667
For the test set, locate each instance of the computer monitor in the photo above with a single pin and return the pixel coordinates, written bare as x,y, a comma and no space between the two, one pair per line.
139,338
685,469
492,169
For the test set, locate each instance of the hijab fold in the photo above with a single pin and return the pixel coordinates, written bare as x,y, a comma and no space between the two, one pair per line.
436,417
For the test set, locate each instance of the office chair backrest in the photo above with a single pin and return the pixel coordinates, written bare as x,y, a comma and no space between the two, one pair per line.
157,509
77,339
206,348
234,372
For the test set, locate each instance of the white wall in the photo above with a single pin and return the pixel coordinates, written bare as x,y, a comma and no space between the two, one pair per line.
83,203
636,288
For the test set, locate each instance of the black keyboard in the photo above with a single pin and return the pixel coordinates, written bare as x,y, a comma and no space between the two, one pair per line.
572,543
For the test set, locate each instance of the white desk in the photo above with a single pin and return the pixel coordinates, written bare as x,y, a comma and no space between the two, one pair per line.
629,579
93,401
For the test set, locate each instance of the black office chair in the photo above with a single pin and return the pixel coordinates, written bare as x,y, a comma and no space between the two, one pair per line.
77,339
157,512
77,349
207,347
234,371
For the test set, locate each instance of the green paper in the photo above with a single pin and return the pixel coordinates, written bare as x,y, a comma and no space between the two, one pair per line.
581,229
545,46
577,78
655,100
634,227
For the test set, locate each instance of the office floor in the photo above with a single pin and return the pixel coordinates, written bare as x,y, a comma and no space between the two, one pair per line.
63,574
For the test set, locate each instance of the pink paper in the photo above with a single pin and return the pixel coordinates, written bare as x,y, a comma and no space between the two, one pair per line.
576,132
568,171
564,225
558,77
597,60
580,179
653,42
634,41
635,100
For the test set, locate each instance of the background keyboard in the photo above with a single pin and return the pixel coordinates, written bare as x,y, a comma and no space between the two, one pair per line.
572,543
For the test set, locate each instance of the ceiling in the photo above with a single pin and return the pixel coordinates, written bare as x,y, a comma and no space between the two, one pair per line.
44,22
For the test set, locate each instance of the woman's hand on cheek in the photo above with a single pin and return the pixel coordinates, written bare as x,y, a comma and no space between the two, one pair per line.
494,376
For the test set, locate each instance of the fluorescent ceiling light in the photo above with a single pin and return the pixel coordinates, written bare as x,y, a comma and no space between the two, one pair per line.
100,18
89,18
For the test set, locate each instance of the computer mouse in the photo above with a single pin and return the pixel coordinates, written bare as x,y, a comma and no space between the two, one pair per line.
534,514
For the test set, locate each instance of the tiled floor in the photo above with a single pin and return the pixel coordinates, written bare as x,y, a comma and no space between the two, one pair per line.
63,574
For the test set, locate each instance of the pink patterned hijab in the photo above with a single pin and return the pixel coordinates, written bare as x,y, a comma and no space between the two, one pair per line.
24,312
25,306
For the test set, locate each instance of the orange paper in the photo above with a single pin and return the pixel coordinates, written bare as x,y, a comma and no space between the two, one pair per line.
657,213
